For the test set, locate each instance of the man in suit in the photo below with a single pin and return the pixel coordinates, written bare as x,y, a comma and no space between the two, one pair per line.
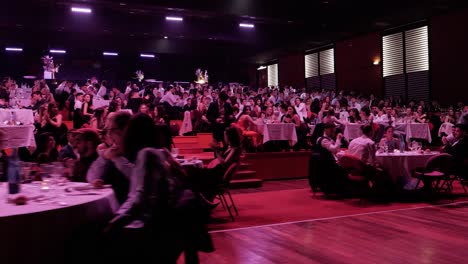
458,148
68,151
220,115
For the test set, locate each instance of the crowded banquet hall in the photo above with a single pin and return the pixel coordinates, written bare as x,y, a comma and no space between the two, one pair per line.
233,131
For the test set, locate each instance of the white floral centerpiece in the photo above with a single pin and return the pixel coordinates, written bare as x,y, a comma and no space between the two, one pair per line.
50,69
140,75
202,78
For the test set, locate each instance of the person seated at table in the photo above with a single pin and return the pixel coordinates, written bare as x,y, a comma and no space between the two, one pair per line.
36,101
171,218
365,116
86,141
420,116
324,171
387,118
52,122
68,152
363,147
354,117
389,141
458,148
408,116
46,150
111,167
207,179
248,128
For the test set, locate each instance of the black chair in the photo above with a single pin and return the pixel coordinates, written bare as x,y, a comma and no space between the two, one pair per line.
438,172
223,189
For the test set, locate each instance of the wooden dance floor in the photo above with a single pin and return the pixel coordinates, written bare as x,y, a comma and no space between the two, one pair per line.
428,234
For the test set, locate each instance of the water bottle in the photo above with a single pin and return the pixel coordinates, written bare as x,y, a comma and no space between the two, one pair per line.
402,144
13,174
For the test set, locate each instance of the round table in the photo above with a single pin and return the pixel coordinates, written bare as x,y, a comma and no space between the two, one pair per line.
399,166
55,227
18,136
191,163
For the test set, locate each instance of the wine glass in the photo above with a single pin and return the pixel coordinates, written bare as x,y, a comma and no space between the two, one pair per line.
175,152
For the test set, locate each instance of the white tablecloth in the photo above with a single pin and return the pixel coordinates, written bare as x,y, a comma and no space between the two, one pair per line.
24,116
415,130
98,103
194,163
20,102
399,166
352,131
44,232
279,131
18,136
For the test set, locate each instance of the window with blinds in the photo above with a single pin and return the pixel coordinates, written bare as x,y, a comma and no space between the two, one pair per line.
320,69
311,65
273,75
327,62
392,47
406,64
417,50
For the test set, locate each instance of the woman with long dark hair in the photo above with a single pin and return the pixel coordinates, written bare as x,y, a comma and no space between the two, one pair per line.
172,218
46,150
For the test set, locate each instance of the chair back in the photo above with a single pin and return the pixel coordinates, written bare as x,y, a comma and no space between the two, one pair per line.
352,164
232,169
442,162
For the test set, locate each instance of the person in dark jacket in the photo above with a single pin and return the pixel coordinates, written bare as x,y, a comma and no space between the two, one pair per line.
220,115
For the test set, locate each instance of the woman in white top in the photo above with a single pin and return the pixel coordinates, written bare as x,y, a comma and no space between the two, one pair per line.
300,108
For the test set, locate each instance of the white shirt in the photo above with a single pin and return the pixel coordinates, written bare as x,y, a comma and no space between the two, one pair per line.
102,91
330,144
78,104
385,120
301,111
169,98
363,148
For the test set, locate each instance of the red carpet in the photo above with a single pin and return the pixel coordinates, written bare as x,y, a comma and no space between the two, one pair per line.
273,207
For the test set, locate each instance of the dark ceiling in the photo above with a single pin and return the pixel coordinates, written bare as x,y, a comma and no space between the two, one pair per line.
210,27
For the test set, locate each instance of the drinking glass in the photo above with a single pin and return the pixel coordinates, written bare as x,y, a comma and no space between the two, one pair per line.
175,152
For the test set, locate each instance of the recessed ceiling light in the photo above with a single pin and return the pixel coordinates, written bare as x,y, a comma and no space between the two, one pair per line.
245,25
110,53
13,49
143,55
57,51
81,10
171,18
165,37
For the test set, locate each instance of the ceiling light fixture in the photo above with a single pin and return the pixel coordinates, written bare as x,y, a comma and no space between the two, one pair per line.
170,18
13,49
261,68
246,25
81,10
57,51
110,53
165,37
146,55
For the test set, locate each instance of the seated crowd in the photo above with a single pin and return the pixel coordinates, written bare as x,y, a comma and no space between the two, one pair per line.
109,145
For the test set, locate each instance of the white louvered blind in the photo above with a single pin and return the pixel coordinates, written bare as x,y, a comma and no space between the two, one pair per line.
392,54
311,65
273,75
417,50
327,62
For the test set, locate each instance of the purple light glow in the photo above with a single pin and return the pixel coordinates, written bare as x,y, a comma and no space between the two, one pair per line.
170,18
13,49
81,10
